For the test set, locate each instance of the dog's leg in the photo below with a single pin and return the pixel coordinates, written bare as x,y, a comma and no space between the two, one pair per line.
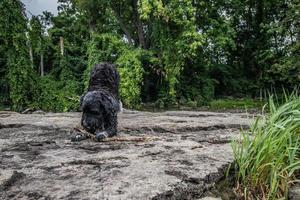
110,127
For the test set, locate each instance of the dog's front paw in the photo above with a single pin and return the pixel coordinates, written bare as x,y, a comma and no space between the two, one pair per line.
78,137
101,135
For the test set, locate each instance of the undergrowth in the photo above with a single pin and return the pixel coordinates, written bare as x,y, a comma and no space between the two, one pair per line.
268,156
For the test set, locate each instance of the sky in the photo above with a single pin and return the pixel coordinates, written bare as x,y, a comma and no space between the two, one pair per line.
36,7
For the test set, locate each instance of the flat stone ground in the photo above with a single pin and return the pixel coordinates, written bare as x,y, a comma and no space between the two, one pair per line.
182,155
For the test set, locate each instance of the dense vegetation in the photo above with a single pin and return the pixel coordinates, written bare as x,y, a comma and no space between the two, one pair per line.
167,51
268,157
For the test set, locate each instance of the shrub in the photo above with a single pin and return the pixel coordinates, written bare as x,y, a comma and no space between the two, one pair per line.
110,48
102,48
131,73
59,96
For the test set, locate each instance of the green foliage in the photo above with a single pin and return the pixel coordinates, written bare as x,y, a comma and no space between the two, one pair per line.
176,39
131,73
57,95
21,81
180,51
268,157
35,35
102,48
61,93
110,48
18,73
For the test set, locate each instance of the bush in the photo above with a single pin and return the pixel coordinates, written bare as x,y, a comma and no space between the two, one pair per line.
110,48
21,78
102,48
131,73
58,96
268,157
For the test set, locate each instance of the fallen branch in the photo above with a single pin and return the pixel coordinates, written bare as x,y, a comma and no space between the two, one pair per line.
116,138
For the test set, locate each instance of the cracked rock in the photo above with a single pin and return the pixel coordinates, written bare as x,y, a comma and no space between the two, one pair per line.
189,153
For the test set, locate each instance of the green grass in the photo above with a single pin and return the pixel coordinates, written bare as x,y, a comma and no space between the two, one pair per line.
225,104
267,157
214,105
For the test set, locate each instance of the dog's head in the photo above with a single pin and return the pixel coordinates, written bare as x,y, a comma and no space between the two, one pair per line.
92,112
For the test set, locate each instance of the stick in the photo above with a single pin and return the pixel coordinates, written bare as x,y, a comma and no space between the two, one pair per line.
116,139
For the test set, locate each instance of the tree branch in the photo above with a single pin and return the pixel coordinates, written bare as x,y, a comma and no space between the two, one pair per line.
123,27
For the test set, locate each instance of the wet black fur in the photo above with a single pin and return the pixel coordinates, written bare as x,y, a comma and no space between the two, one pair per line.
100,104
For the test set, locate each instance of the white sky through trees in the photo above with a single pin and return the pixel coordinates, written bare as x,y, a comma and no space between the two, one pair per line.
36,7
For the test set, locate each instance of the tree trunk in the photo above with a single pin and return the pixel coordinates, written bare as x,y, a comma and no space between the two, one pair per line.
31,55
139,25
42,64
61,45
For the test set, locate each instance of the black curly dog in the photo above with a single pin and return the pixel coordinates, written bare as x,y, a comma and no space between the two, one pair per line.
100,104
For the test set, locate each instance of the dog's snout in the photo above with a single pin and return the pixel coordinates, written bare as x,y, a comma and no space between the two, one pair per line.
86,125
90,124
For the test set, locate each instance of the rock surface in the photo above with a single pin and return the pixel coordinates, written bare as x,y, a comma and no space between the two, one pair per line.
294,192
186,154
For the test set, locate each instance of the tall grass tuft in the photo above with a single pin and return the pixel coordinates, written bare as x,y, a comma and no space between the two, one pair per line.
268,156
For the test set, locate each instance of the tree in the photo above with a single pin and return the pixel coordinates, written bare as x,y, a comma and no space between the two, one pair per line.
169,52
18,72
